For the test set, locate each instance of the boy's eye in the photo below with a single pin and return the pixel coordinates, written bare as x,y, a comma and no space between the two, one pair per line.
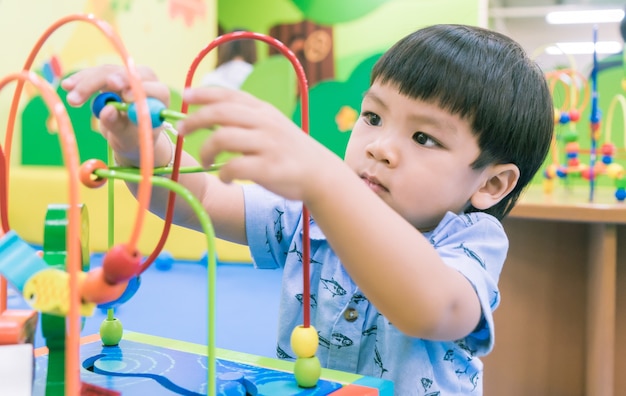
372,118
424,140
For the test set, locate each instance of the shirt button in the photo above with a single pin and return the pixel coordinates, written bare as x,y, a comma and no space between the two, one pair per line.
350,314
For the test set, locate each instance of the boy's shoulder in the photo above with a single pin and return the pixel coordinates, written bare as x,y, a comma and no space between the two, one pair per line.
467,226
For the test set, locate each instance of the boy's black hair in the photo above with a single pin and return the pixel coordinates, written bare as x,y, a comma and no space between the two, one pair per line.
487,79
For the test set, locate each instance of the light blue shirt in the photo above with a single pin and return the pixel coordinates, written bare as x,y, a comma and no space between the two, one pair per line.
362,340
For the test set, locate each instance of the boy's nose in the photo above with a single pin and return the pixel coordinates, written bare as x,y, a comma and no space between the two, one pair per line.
382,150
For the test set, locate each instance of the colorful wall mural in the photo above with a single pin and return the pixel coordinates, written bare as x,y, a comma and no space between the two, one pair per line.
337,43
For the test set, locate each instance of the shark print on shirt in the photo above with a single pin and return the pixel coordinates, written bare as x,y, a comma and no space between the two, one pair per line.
278,226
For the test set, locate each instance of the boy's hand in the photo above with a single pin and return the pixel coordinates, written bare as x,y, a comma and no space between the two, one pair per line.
275,152
119,131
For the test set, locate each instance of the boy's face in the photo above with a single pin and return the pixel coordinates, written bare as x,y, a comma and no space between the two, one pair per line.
414,155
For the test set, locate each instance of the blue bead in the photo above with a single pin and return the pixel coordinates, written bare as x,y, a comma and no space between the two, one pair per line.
564,118
620,194
129,292
155,107
164,261
102,100
607,159
595,117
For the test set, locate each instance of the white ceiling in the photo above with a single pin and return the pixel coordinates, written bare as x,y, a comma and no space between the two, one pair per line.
533,3
524,21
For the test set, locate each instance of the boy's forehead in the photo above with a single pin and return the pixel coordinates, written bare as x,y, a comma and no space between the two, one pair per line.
388,96
387,92
383,92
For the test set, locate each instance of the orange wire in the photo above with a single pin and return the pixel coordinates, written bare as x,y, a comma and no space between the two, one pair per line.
145,130
4,218
144,189
71,159
570,94
571,98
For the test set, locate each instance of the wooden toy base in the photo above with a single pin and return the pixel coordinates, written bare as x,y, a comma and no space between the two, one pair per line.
149,365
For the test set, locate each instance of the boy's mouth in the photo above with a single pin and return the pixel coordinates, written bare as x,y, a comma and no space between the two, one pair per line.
374,184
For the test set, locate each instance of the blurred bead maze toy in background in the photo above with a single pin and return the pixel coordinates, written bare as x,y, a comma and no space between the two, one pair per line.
565,152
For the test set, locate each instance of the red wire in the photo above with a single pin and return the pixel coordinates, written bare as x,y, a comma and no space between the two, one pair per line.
304,102
302,83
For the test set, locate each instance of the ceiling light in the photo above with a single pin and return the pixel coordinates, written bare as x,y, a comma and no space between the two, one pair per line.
584,47
585,16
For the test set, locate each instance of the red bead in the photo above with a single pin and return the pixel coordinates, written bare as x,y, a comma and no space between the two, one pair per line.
574,115
595,126
573,162
608,149
119,265
586,173
87,173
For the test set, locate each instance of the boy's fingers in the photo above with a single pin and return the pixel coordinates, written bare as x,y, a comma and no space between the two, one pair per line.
153,89
237,115
83,84
208,95
232,140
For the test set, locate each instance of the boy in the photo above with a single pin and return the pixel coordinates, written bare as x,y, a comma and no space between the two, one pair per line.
406,240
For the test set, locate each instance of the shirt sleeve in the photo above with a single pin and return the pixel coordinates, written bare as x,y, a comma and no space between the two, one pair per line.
271,224
476,245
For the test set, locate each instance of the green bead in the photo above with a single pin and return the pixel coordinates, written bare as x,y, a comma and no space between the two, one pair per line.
111,331
570,136
307,371
620,183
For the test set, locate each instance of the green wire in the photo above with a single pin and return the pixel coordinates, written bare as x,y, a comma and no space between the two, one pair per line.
111,205
165,114
207,226
168,114
110,217
164,170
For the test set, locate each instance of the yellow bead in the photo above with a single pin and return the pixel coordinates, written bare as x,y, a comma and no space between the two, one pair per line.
548,186
614,170
304,341
557,115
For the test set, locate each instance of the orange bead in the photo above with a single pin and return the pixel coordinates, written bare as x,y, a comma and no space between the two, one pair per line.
550,172
87,173
572,147
95,288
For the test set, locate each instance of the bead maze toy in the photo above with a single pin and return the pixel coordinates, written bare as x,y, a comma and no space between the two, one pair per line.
59,284
565,159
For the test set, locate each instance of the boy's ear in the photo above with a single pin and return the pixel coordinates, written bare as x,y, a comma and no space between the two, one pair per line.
501,180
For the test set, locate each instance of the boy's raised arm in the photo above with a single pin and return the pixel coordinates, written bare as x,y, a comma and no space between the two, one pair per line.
223,202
